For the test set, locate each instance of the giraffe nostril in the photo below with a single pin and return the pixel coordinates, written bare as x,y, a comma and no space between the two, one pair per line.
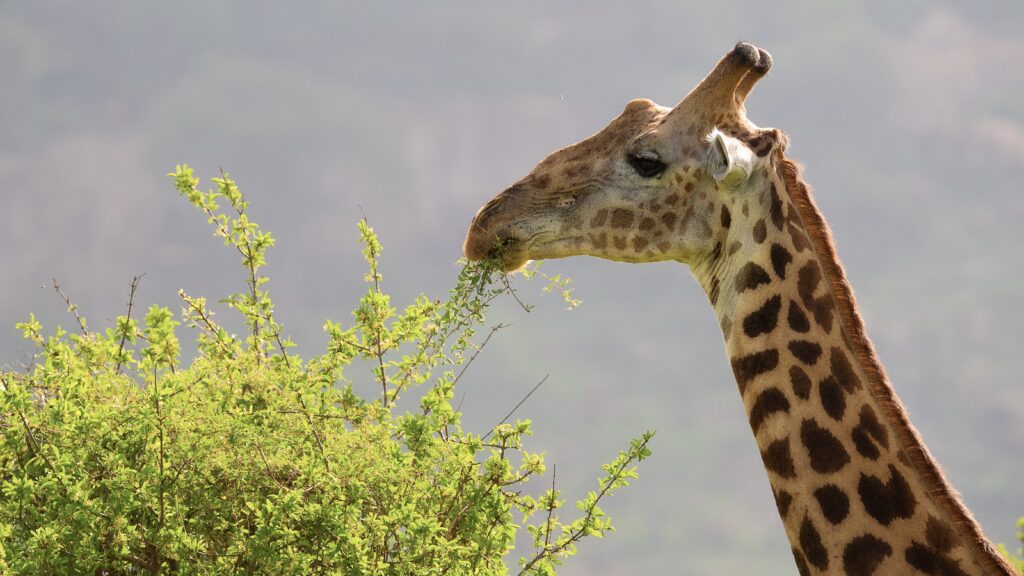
567,201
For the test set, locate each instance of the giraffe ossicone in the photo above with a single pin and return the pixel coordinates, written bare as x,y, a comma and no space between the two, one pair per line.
856,488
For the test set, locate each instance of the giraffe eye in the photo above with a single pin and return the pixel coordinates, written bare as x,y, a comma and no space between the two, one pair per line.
647,166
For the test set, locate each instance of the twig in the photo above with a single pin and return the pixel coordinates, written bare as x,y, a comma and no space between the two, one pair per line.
250,263
266,465
551,507
376,288
482,443
73,308
478,350
131,302
276,332
213,330
31,437
312,428
509,415
252,289
512,292
160,446
357,346
327,416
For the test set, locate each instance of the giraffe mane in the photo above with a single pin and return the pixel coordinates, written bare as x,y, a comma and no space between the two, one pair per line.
939,489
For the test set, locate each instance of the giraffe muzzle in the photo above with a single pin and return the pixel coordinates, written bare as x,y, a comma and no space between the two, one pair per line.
492,234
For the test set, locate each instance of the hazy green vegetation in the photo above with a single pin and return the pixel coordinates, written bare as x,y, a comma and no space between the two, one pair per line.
118,458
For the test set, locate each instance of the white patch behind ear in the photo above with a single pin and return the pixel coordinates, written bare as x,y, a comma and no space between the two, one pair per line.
734,161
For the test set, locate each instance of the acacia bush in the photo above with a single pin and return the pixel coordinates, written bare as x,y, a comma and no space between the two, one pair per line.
116,458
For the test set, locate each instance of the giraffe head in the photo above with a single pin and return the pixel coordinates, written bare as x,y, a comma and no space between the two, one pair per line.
650,186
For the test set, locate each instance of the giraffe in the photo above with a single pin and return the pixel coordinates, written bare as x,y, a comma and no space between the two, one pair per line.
857,490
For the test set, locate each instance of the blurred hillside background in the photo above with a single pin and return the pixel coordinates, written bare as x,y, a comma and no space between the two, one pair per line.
908,116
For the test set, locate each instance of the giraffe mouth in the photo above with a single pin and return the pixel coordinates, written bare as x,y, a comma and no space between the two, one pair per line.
511,249
511,252
506,248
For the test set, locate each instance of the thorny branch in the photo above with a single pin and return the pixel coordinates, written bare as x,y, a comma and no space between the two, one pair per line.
512,292
516,407
551,509
210,326
73,308
379,353
124,334
479,349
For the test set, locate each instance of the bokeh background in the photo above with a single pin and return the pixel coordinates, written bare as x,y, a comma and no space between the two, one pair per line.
908,116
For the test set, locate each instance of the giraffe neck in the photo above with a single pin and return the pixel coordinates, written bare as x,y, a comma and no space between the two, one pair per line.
856,489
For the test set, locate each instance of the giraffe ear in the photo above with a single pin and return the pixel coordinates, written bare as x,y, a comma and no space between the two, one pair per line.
731,162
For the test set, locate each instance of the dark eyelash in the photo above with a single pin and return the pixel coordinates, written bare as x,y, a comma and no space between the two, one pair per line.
646,167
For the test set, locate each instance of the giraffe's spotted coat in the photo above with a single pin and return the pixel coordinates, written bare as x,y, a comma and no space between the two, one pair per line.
621,218
782,501
932,562
780,259
760,231
778,458
748,367
843,370
805,351
833,399
888,500
869,436
800,382
750,276
834,503
768,402
764,319
809,279
797,320
775,209
801,565
826,452
812,546
800,242
864,554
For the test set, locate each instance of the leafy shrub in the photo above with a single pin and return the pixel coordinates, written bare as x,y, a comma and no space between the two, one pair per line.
118,459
